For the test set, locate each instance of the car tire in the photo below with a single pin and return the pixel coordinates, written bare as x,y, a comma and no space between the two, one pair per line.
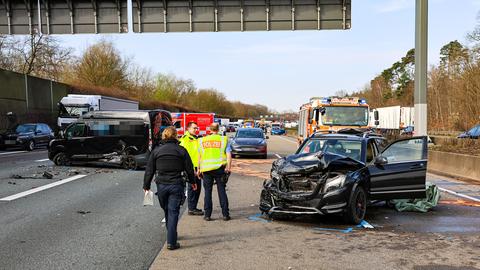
356,207
61,159
30,146
129,163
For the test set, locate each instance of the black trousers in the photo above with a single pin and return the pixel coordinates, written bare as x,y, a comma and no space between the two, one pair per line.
170,197
194,195
208,179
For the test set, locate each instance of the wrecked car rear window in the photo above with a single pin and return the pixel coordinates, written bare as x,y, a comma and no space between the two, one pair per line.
348,148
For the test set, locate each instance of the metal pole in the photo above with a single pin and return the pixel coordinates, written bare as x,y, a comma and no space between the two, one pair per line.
421,45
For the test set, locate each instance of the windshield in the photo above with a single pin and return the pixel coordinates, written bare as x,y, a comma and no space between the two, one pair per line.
25,128
345,116
249,133
76,111
352,149
275,126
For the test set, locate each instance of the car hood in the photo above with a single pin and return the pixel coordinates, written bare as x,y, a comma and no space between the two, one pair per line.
308,163
249,141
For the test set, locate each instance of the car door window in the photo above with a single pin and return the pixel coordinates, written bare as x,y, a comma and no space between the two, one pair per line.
45,129
38,129
405,150
370,151
76,130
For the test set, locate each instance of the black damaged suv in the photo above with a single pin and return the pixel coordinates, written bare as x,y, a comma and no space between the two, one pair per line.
341,173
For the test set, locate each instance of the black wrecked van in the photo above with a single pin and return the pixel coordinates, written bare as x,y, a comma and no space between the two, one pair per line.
122,138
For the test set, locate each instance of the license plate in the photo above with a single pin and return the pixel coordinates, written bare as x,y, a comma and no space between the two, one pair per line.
10,142
249,149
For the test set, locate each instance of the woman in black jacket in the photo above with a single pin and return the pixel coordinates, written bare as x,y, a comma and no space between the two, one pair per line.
167,163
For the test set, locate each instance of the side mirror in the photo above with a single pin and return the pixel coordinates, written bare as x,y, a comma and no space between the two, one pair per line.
380,160
375,115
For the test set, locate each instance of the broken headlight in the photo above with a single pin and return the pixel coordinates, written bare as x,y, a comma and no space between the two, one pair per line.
274,174
334,183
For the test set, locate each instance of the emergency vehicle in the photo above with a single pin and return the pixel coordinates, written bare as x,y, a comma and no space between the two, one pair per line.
329,114
203,120
249,123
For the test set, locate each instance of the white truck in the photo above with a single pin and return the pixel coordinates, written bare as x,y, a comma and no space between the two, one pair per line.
393,118
73,106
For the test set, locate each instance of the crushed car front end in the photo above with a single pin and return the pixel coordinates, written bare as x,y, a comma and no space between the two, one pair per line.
304,184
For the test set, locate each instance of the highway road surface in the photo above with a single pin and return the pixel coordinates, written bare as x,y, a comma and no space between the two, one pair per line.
91,217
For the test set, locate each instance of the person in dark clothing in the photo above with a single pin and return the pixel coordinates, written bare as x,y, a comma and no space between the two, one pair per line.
168,164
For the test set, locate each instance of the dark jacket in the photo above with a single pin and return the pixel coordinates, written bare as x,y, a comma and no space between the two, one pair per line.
166,163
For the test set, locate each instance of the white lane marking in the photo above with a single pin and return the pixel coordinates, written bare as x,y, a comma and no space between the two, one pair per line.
13,152
278,156
285,139
42,160
38,189
459,194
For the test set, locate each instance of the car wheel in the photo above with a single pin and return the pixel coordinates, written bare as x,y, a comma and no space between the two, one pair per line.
356,207
30,146
61,159
129,163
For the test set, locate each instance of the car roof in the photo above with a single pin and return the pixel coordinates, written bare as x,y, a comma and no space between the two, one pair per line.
259,129
352,137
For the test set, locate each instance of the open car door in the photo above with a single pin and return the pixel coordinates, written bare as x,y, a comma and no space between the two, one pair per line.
400,171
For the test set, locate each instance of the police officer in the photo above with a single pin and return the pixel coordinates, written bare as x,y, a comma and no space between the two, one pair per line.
167,163
214,162
189,142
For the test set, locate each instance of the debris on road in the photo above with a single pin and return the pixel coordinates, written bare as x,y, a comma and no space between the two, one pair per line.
72,172
419,205
347,230
12,183
44,175
364,224
258,217
83,212
47,175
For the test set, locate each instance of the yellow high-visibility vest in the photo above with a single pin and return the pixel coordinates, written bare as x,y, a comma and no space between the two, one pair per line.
190,143
212,151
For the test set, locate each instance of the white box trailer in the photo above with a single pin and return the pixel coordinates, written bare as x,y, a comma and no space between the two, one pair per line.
393,117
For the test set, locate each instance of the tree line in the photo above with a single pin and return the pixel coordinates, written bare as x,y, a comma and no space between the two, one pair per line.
101,69
453,85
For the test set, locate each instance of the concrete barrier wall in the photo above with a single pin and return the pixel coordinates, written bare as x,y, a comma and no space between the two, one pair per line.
457,165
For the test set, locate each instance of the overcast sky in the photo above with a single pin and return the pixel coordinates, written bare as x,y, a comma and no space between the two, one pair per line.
284,69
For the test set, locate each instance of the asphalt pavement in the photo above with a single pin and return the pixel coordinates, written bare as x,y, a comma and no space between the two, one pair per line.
94,222
91,217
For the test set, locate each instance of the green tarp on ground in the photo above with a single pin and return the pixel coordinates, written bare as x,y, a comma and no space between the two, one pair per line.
419,205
